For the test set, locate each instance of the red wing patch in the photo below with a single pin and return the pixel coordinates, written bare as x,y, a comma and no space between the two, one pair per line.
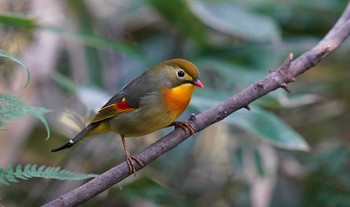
112,110
122,105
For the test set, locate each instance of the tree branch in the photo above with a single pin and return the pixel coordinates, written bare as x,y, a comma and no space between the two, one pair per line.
279,78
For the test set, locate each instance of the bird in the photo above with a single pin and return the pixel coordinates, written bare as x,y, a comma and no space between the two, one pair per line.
152,101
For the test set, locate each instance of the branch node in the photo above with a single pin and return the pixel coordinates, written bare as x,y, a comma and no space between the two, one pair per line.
260,85
284,86
291,56
311,60
247,107
192,117
287,61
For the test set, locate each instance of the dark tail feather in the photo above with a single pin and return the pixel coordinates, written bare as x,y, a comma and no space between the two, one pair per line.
65,146
77,138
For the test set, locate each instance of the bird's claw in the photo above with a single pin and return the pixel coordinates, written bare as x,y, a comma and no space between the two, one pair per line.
129,160
184,125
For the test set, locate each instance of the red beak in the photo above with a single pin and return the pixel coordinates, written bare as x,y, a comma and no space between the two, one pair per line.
198,83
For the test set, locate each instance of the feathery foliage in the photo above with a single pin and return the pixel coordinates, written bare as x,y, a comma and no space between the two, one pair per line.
12,107
12,174
17,60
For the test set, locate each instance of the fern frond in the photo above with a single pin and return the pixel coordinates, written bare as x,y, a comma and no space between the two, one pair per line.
2,178
17,60
12,107
33,171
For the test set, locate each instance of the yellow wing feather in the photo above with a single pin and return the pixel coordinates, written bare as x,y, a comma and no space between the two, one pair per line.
112,110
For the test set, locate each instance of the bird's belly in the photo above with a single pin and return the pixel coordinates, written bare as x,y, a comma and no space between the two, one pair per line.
143,121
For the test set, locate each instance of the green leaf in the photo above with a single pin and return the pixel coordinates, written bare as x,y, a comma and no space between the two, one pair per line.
17,60
2,177
19,174
26,171
154,190
260,123
32,171
259,164
10,175
11,178
98,42
239,158
267,126
20,21
12,107
41,169
64,82
229,18
181,17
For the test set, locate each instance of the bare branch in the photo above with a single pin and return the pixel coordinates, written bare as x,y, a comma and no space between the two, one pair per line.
279,78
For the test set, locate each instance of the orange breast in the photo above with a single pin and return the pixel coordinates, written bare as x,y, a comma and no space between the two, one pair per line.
176,99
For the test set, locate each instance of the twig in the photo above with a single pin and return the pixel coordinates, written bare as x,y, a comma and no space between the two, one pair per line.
279,78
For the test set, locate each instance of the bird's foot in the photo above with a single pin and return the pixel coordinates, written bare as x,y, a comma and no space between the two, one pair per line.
129,160
185,126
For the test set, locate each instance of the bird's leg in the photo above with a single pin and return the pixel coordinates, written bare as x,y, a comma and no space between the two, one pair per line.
129,158
184,125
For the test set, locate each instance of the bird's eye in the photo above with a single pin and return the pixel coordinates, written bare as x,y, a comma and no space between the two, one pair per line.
180,73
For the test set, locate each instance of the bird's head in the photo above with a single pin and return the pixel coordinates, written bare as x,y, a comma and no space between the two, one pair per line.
176,72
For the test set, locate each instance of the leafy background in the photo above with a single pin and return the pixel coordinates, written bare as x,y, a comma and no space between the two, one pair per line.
289,150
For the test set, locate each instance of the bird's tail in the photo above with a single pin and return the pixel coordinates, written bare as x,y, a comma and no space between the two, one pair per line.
84,133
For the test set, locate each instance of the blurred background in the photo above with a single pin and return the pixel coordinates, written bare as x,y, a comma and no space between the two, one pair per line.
289,150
